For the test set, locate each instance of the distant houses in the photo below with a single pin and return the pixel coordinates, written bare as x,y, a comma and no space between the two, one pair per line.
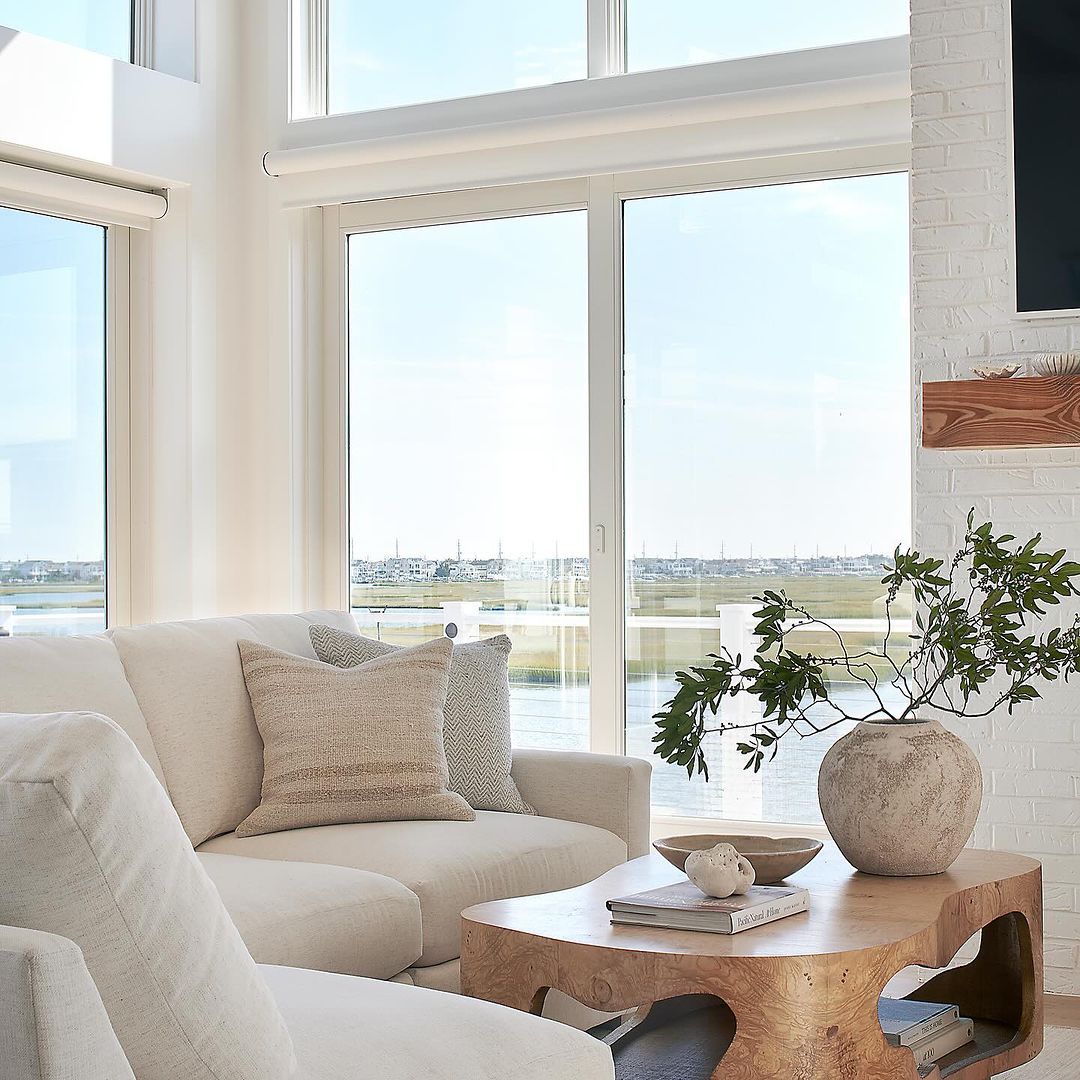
401,570
48,572
413,570
394,571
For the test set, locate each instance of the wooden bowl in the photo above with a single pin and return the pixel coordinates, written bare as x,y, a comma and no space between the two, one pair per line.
773,858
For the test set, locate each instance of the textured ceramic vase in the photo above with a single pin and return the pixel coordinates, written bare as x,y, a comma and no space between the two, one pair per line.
900,799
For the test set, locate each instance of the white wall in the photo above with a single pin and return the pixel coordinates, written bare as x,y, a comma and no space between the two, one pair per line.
961,237
67,107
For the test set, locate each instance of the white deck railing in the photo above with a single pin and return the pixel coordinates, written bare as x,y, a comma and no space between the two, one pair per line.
733,622
470,616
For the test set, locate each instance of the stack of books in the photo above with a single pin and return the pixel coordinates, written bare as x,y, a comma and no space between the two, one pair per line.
928,1030
685,907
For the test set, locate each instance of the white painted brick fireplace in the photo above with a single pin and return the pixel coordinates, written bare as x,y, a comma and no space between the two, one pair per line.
961,255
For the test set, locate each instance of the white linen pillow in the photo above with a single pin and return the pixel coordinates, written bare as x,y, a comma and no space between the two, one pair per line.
93,851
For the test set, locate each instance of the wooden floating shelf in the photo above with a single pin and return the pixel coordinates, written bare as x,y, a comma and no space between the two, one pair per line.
1001,414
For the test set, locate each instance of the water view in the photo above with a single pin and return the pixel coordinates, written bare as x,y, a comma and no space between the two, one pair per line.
676,620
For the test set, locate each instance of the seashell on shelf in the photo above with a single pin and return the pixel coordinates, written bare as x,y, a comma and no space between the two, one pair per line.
1065,363
1006,371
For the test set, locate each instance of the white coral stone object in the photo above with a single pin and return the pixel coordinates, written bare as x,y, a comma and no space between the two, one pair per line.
720,871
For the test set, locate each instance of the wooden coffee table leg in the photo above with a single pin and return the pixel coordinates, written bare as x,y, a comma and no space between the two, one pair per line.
811,1018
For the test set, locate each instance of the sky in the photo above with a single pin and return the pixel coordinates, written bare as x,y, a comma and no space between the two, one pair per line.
766,331
100,25
491,315
766,369
52,377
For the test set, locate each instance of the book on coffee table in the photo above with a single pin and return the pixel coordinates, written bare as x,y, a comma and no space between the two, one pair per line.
906,1022
684,906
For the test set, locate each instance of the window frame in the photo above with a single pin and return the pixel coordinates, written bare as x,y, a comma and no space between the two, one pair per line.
117,302
118,546
307,52
603,197
309,47
142,33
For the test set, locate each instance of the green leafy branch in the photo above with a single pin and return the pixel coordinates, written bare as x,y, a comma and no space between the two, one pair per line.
971,627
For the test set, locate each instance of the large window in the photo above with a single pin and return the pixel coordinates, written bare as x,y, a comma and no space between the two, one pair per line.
103,26
671,33
710,388
468,449
767,444
52,425
383,54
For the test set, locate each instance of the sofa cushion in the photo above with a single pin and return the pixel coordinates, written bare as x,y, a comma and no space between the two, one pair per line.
477,728
450,865
359,1029
190,687
92,851
63,674
52,1023
331,918
350,744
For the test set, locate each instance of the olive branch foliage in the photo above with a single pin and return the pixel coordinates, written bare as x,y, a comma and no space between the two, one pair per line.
972,625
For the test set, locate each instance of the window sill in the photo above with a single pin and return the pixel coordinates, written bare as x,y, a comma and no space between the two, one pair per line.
859,74
670,825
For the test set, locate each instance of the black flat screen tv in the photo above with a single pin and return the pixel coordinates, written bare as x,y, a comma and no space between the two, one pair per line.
1046,154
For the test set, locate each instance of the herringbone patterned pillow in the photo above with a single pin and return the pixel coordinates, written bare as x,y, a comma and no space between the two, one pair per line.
476,731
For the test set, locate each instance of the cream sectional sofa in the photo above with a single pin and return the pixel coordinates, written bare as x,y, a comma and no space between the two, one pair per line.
381,900
119,960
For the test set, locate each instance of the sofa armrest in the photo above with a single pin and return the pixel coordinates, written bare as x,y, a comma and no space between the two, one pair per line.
595,789
54,1024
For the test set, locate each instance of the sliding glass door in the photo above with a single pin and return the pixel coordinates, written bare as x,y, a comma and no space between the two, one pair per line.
601,416
767,445
468,449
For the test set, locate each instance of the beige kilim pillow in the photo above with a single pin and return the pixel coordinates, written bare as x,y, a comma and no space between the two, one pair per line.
350,744
477,729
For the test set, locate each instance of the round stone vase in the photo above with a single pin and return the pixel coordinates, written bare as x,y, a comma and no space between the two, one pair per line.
900,800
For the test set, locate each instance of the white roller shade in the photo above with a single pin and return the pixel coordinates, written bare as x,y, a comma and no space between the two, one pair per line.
27,188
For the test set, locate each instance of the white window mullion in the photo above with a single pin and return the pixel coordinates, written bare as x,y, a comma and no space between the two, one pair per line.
118,546
607,694
607,37
335,402
310,43
142,33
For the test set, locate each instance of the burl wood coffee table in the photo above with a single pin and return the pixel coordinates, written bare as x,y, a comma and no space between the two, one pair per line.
797,998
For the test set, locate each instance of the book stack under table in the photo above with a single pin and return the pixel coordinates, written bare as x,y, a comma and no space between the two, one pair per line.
929,1030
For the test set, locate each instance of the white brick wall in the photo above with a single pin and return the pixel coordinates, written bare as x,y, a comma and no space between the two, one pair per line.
961,254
